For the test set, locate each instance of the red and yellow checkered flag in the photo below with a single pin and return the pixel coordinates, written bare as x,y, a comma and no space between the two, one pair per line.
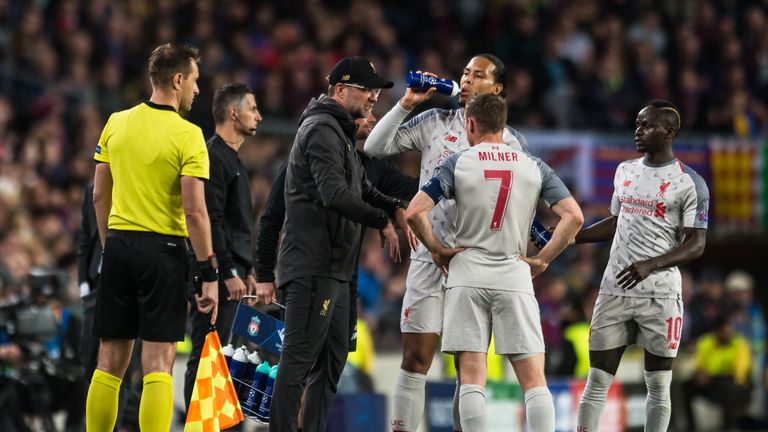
214,405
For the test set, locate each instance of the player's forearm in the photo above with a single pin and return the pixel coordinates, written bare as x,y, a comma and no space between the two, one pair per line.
380,142
691,248
598,232
565,231
422,228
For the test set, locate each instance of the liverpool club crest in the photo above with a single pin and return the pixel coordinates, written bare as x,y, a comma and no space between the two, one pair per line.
253,326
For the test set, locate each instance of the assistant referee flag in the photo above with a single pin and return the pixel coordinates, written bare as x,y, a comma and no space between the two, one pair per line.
214,405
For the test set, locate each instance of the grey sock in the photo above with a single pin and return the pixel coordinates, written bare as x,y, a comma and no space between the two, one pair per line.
408,406
539,410
593,400
472,408
658,404
456,416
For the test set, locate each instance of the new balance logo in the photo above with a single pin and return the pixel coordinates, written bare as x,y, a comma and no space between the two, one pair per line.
582,429
451,138
660,211
673,345
627,183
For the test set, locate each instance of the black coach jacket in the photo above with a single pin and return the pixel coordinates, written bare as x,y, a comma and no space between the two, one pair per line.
328,198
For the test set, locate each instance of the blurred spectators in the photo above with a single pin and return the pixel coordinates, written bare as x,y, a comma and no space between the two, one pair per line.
722,374
707,304
749,321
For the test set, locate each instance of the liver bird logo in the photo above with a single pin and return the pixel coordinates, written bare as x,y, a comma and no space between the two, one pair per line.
662,189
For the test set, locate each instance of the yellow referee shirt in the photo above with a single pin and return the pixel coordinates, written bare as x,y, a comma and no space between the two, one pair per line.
148,148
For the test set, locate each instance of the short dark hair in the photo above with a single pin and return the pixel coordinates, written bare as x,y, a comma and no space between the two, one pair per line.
499,72
669,113
489,112
169,59
227,95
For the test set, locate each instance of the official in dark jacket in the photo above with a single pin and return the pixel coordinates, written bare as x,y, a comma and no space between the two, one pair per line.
328,199
381,173
228,200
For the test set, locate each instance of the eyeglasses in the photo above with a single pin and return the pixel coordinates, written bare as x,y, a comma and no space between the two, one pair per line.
367,90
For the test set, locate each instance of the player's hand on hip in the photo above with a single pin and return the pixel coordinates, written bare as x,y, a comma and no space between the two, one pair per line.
209,300
265,292
443,257
388,233
413,241
634,274
538,265
235,287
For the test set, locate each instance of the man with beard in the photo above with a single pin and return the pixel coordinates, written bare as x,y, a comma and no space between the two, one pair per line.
328,199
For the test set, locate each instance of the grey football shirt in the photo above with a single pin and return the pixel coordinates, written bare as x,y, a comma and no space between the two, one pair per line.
653,205
437,134
495,188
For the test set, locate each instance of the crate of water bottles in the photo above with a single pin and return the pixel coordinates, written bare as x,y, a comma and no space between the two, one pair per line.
253,377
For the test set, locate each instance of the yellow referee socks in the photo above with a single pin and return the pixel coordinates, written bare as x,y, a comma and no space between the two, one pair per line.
101,405
156,407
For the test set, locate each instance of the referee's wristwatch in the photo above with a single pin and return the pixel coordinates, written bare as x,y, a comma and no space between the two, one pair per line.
209,269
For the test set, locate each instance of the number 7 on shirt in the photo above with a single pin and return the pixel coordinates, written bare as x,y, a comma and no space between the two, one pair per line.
501,201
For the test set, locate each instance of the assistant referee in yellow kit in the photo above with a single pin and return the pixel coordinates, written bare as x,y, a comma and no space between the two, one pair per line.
149,197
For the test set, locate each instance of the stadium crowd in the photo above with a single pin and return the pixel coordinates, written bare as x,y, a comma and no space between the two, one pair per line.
587,64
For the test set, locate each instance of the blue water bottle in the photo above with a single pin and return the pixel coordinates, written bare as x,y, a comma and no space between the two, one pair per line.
238,367
419,81
540,235
259,382
266,400
228,352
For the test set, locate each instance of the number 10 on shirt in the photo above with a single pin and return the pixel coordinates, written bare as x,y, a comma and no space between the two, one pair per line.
501,201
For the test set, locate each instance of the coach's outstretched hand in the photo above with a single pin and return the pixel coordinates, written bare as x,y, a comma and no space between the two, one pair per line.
209,300
402,223
389,233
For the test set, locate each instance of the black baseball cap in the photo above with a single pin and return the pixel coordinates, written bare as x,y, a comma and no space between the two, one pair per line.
357,70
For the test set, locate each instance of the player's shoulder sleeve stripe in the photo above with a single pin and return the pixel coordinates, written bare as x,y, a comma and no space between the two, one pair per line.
520,138
423,118
552,188
701,194
698,182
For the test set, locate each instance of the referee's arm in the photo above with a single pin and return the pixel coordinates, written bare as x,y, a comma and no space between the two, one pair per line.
102,198
199,228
